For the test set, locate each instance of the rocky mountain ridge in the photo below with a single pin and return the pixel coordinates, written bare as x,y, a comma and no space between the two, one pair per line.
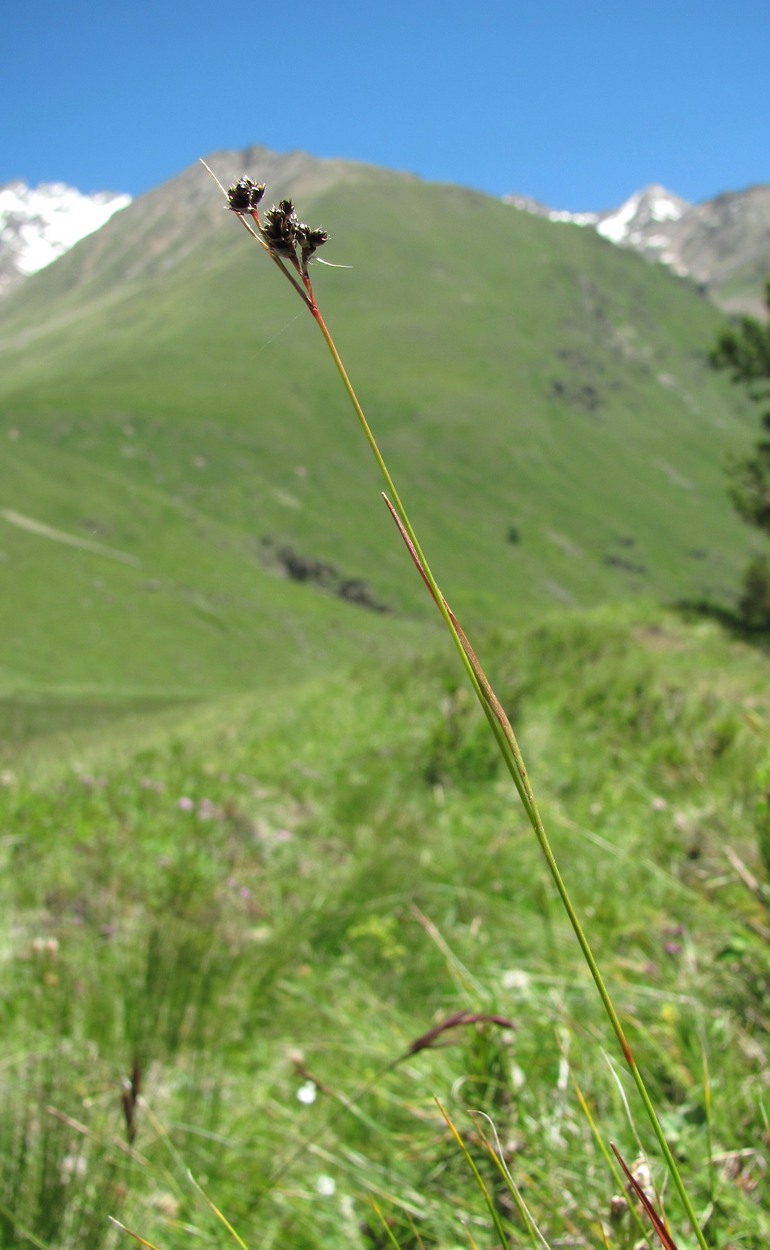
721,244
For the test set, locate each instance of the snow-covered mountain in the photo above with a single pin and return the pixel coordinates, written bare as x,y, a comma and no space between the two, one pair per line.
37,224
723,244
645,222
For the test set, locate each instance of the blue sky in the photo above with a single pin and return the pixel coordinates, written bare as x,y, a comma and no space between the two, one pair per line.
577,103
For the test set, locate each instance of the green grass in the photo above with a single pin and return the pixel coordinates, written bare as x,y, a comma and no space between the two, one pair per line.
305,886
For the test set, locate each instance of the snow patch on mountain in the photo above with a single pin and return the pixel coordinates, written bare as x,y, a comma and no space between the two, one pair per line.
529,205
39,224
630,224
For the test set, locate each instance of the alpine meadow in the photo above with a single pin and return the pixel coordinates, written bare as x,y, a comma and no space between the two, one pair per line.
293,956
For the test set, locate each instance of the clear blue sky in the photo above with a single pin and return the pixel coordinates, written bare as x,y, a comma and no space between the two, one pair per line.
575,102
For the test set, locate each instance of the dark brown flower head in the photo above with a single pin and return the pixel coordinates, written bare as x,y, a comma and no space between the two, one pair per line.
309,241
244,195
280,229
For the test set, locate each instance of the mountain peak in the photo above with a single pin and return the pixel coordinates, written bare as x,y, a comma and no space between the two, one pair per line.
637,219
38,224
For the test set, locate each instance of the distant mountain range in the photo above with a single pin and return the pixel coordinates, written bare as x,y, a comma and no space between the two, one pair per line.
722,244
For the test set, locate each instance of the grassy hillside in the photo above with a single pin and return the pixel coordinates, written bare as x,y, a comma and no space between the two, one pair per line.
257,913
542,398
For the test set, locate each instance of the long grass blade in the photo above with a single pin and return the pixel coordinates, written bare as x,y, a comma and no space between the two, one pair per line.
222,1218
131,1233
477,1177
537,1240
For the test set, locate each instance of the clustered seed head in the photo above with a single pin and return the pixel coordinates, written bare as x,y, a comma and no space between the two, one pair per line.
309,240
244,195
280,229
282,232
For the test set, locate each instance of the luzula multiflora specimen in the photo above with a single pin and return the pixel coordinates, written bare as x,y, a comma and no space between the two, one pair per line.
291,244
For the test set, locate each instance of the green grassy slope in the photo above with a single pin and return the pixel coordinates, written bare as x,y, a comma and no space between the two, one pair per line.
130,588
164,394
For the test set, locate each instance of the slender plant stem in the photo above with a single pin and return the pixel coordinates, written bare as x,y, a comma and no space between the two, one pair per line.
515,762
493,710
402,519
